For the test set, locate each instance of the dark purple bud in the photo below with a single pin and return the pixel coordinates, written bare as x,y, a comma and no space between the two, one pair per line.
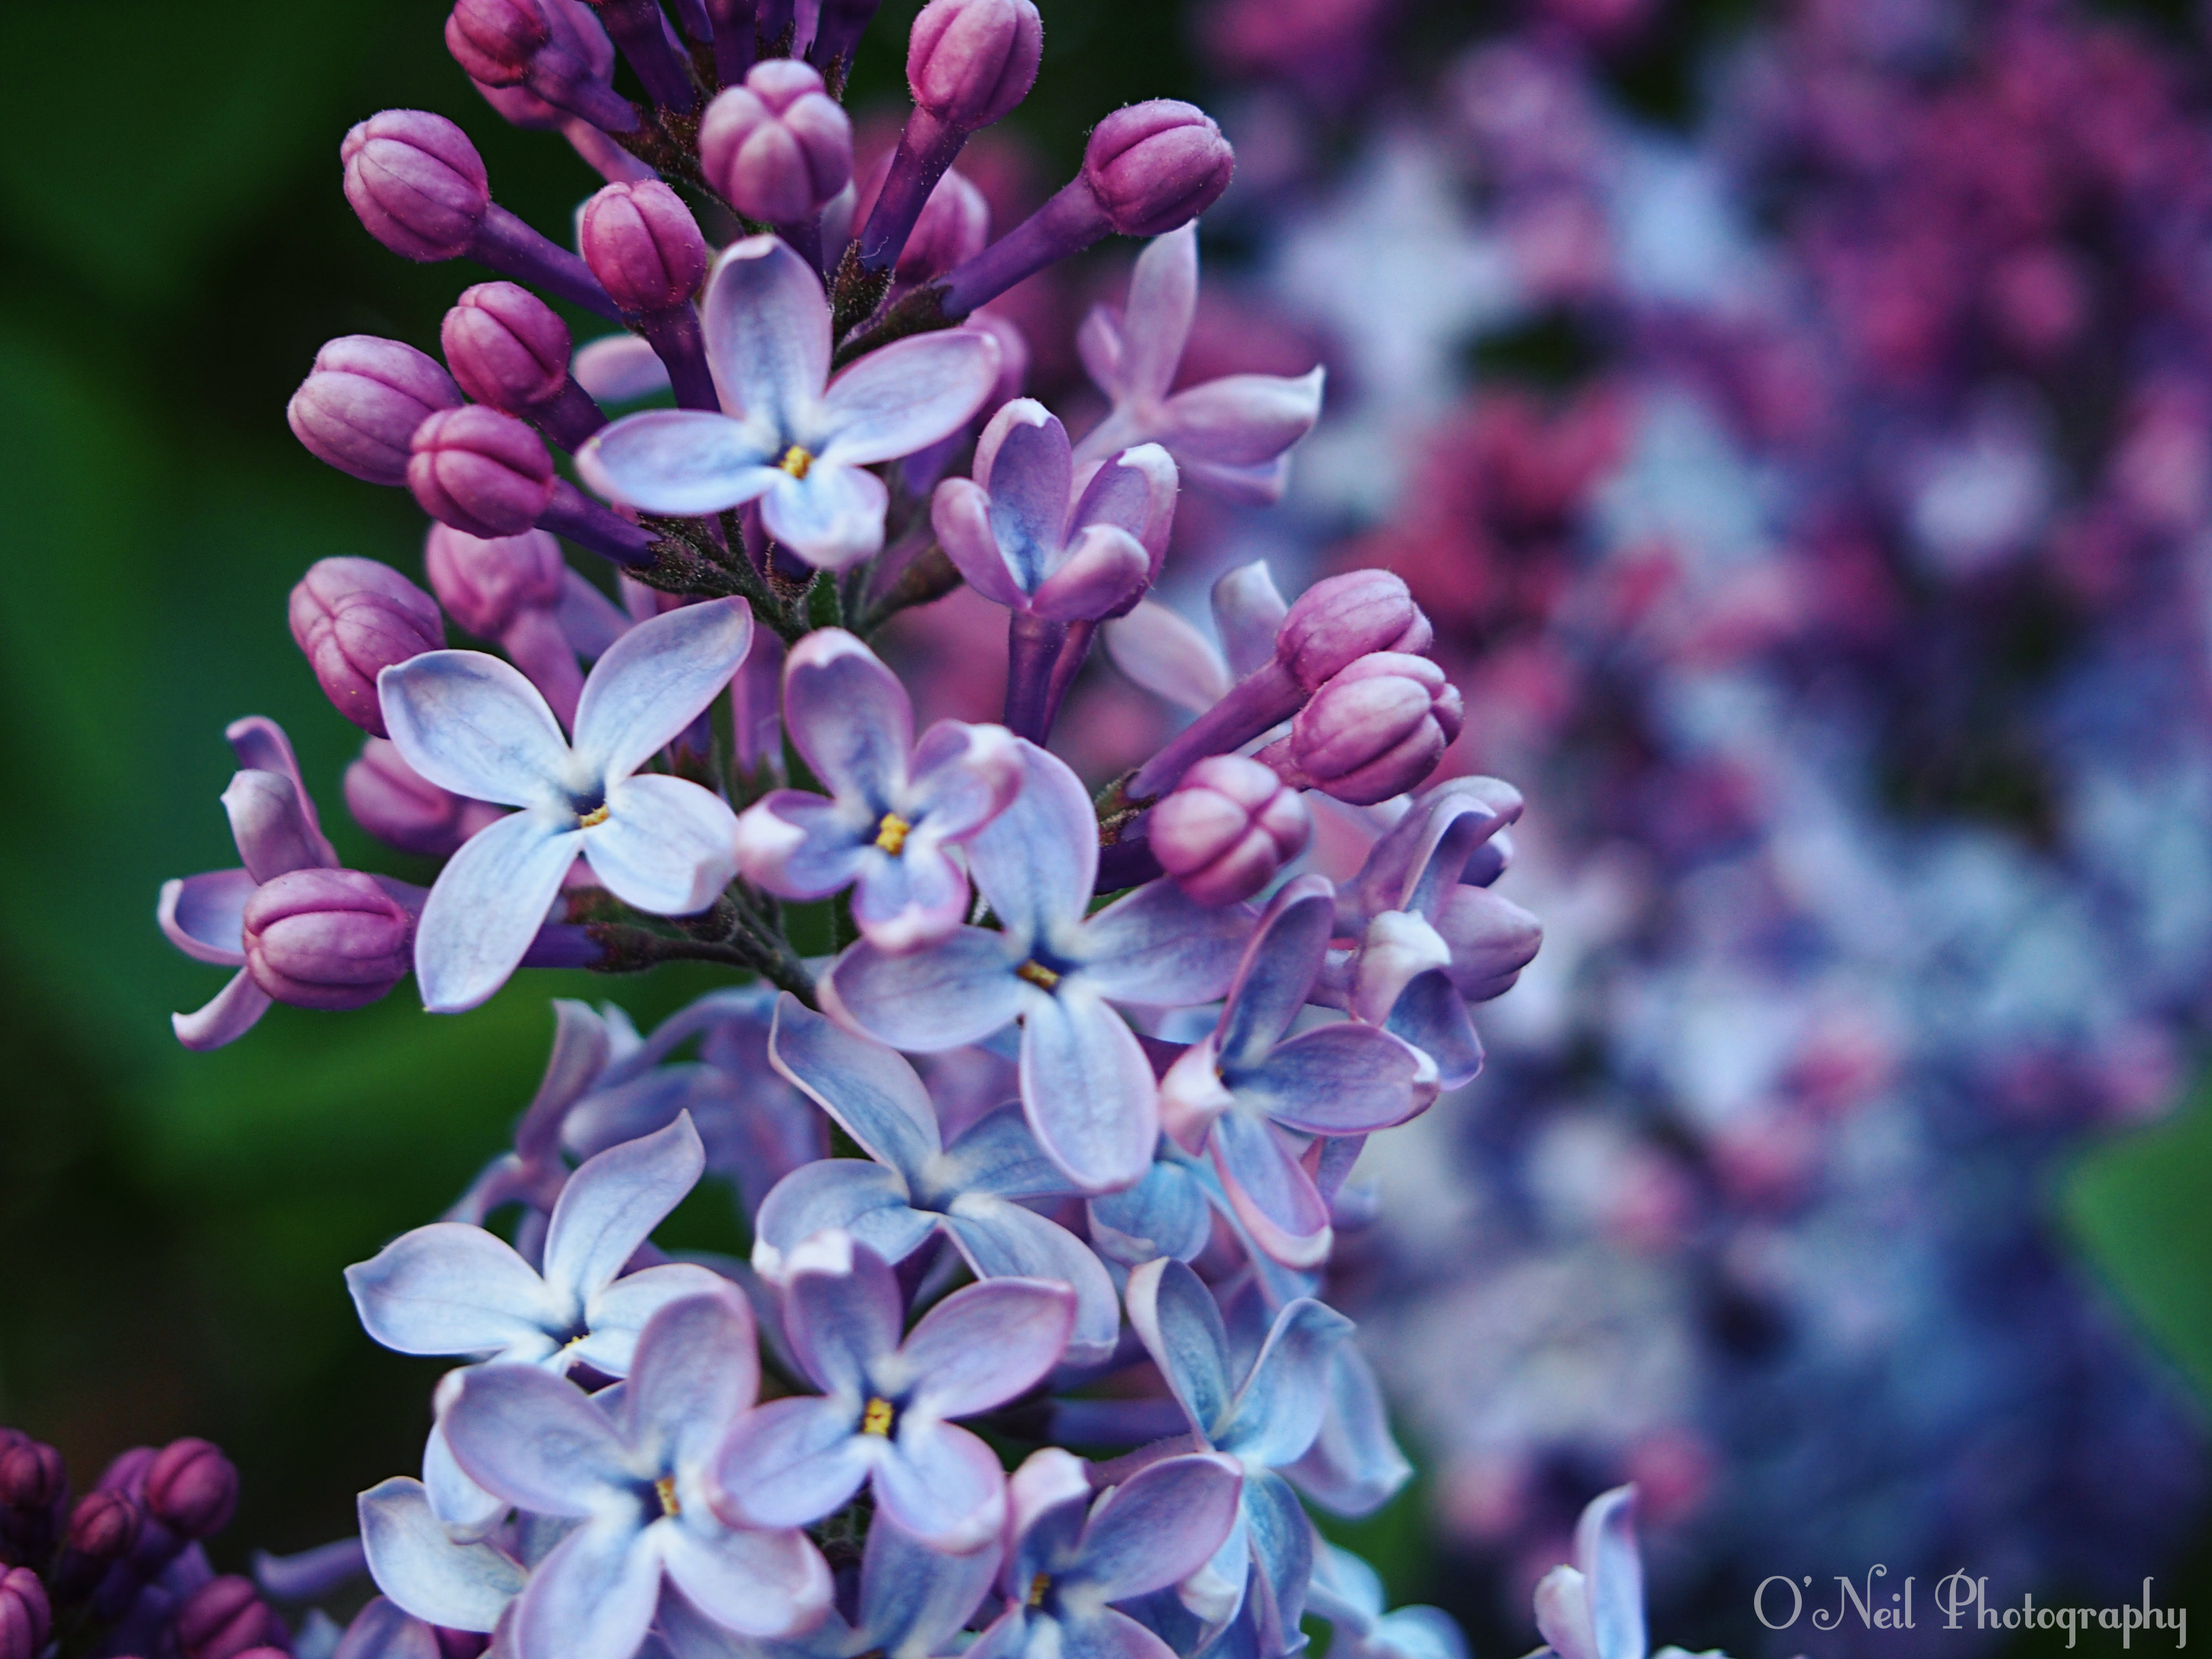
326,939
837,31
32,1478
778,147
1156,166
25,1617
104,1526
1227,829
506,346
1375,730
354,618
223,1619
480,470
485,584
397,804
494,40
191,1486
360,404
643,244
1340,619
969,61
416,182
126,1472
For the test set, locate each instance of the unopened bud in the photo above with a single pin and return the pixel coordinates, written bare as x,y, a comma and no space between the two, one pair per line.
25,1617
354,618
480,470
1492,939
1227,829
643,244
1155,166
1375,730
485,584
506,346
1340,619
223,1619
954,226
494,40
416,182
192,1488
398,805
32,1477
778,147
326,939
105,1525
969,61
362,402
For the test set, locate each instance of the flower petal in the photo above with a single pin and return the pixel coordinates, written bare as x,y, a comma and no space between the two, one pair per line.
945,995
1270,1190
960,513
863,1199
414,1562
1277,972
1088,1089
1036,860
1024,460
1282,1550
667,846
1167,657
618,1314
655,679
766,326
801,845
843,1313
1136,491
963,776
1105,569
915,1598
1164,1214
450,1288
1563,1613
466,1510
996,1155
680,461
871,1089
1161,1524
1160,946
1340,1080
917,898
1431,1014
472,724
983,1345
1278,1410
536,1441
1163,300
792,1461
756,1583
612,1204
907,396
942,1483
850,718
1002,1240
1248,614
384,1630
1241,420
230,1016
831,518
619,368
269,822
1110,1633
1353,1466
1605,1549
592,1597
1176,1317
697,1367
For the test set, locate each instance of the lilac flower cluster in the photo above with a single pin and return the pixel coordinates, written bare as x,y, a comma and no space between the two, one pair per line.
1097,1068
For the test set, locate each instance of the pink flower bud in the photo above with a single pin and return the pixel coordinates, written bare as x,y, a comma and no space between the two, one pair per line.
643,244
1155,166
1375,730
480,470
325,938
1227,828
506,346
416,182
1340,619
955,225
354,618
31,1474
778,147
486,584
105,1525
192,1488
494,40
25,1617
969,61
224,1618
397,804
360,404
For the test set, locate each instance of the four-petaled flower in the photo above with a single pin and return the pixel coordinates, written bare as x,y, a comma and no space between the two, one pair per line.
1247,1082
883,1412
1071,1556
918,1185
1233,435
450,1288
635,1472
1086,1083
894,809
1023,538
793,439
472,724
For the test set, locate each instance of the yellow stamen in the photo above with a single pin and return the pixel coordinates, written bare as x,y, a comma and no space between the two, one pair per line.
1037,976
591,819
665,1487
795,461
891,834
1038,1586
877,1420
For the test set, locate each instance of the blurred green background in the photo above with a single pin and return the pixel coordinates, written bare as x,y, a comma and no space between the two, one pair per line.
173,249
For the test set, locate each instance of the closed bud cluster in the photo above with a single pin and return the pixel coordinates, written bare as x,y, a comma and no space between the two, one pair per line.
360,403
354,618
325,938
1227,829
778,147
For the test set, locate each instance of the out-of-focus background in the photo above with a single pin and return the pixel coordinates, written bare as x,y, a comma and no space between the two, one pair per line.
1798,419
